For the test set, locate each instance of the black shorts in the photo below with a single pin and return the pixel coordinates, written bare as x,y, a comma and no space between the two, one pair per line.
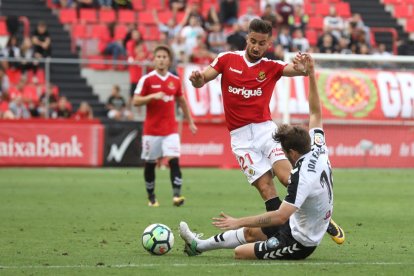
282,246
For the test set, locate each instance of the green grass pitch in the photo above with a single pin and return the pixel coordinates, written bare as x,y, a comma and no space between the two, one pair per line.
89,221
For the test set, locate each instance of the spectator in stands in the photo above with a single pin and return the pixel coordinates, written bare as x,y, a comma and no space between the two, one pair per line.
47,103
343,46
19,109
269,15
27,53
216,39
382,50
172,28
298,20
177,5
327,43
140,54
283,11
201,54
63,110
237,39
402,48
363,49
113,47
359,24
116,106
84,112
212,18
136,38
248,16
4,82
105,4
41,41
12,50
299,42
122,4
194,10
333,23
284,38
191,32
85,4
180,50
5,112
278,53
229,11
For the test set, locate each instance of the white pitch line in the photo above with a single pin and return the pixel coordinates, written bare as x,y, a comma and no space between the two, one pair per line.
275,263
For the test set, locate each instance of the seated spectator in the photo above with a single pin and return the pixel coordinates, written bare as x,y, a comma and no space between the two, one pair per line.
298,20
112,47
299,42
122,4
12,50
84,112
27,54
19,109
63,109
284,38
136,38
278,53
105,4
237,39
41,41
248,16
191,32
64,3
177,5
116,106
283,11
140,54
216,39
327,43
382,50
363,49
47,103
343,46
228,11
334,23
4,82
180,50
269,16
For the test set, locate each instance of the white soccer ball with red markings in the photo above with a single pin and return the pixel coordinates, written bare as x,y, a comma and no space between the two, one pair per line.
158,239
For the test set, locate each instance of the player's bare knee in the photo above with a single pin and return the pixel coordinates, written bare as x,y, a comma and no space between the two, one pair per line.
249,234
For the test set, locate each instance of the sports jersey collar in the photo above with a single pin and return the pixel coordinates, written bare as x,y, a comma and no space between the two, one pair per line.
163,78
249,64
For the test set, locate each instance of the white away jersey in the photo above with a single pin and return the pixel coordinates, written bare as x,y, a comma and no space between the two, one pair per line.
310,190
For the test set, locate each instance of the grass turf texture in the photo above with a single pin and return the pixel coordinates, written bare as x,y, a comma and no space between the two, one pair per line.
89,221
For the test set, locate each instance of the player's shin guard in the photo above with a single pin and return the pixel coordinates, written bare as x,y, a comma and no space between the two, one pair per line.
229,239
149,176
175,176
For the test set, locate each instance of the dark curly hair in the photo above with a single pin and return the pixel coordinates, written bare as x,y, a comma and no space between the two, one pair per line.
293,137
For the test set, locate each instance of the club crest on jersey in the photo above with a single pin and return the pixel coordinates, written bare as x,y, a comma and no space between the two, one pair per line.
318,139
261,77
171,85
251,171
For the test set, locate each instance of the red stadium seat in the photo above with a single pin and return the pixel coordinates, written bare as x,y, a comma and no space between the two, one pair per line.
88,16
79,31
68,16
315,23
3,28
153,33
146,18
322,9
100,31
126,16
343,9
391,2
401,11
97,66
30,93
164,16
410,25
107,16
14,75
308,8
138,5
155,4
120,31
312,37
205,7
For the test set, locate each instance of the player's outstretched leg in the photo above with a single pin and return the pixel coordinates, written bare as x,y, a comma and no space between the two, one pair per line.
176,181
149,176
336,232
195,246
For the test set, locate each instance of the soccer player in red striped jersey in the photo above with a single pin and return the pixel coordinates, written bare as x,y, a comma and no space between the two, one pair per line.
247,83
159,90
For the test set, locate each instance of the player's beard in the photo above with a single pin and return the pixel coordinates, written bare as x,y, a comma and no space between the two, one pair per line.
252,57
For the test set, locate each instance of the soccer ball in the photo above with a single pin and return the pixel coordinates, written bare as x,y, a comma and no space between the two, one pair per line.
157,239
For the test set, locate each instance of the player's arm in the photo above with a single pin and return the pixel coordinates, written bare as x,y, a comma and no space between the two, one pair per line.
315,111
187,115
199,79
296,68
278,217
143,100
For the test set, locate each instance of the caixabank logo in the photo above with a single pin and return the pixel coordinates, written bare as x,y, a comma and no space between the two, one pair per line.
352,94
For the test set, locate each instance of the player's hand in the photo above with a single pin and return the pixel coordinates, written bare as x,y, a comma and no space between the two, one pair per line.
193,128
299,63
158,95
226,222
197,79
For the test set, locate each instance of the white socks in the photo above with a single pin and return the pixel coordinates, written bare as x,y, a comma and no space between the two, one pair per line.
229,239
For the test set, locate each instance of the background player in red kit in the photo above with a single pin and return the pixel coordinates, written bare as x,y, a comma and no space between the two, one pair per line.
247,83
159,90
